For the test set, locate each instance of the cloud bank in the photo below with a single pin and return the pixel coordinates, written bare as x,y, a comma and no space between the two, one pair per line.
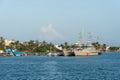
50,33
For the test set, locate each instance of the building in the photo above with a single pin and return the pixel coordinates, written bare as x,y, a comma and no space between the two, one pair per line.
7,42
1,51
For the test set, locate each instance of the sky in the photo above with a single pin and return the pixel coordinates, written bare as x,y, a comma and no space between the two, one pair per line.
60,21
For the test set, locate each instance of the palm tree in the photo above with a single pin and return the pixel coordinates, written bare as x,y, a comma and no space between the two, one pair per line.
96,45
66,45
104,47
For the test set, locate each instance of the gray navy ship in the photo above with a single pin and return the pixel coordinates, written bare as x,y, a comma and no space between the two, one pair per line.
85,50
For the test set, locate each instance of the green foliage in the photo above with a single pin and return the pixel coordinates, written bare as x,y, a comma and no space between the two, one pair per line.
96,45
114,48
2,45
43,49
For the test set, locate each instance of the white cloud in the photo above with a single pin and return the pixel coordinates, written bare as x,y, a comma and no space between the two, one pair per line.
50,33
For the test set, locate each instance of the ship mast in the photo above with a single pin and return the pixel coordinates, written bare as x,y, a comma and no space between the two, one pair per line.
89,43
80,40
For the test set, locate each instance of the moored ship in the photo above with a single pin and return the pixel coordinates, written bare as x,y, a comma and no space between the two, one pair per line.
90,51
86,50
69,52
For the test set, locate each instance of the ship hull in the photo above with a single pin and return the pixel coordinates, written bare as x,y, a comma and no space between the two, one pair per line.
55,54
68,53
81,53
86,52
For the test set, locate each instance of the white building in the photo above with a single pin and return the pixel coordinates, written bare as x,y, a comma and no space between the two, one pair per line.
7,42
1,51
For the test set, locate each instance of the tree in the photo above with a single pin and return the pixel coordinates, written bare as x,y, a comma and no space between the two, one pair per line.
114,48
96,45
2,43
66,45
104,47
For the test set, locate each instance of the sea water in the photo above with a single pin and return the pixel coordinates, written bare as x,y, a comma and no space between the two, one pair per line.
102,67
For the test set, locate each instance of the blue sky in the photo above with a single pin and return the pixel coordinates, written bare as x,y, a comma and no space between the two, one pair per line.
58,21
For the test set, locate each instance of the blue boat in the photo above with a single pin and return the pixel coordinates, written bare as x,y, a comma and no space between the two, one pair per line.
13,52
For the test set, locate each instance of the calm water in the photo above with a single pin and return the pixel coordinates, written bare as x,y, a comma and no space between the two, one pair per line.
103,67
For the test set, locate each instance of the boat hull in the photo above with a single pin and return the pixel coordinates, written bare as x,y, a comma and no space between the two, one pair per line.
86,52
68,53
55,54
81,53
